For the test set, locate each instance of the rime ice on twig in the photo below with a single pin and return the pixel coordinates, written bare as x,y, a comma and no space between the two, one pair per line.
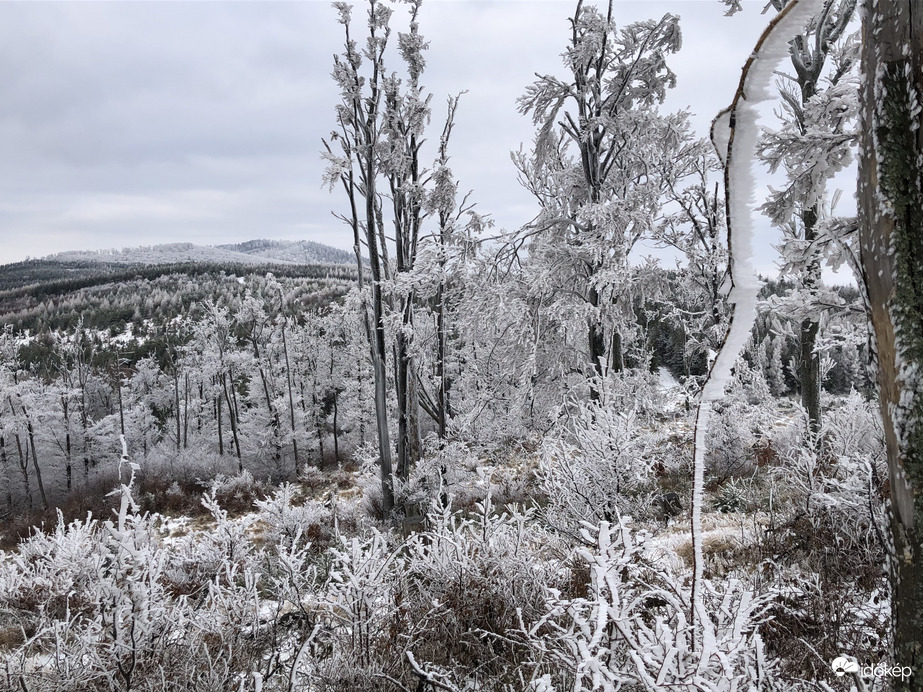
734,134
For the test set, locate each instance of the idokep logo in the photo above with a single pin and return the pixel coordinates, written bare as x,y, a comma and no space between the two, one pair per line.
842,665
847,664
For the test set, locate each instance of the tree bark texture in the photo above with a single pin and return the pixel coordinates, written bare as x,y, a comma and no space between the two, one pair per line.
891,242
810,359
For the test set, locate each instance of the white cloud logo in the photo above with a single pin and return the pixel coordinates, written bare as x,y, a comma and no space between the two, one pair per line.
842,665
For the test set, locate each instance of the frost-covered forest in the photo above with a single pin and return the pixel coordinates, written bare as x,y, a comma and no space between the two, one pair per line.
503,459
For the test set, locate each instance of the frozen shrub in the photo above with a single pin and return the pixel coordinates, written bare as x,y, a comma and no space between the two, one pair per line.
730,441
361,616
825,542
287,525
599,466
52,575
634,389
634,627
238,493
468,582
440,474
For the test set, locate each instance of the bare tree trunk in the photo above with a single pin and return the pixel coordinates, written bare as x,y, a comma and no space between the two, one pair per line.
408,436
220,422
270,408
35,464
441,354
118,388
23,460
24,467
82,376
810,326
291,399
336,434
176,409
891,247
447,209
198,413
68,470
319,427
5,462
185,411
596,338
230,396
84,425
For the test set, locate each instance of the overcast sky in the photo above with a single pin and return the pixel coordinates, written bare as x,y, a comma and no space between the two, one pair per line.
125,124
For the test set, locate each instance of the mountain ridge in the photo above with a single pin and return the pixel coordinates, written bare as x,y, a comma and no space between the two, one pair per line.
256,252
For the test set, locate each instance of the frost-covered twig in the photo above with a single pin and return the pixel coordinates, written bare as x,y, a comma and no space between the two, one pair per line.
734,134
429,678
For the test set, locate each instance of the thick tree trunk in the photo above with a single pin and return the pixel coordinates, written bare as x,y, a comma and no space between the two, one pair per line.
811,278
319,420
230,397
274,422
408,421
891,245
23,460
377,336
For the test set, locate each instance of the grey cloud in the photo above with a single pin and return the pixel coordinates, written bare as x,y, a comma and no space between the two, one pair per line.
138,123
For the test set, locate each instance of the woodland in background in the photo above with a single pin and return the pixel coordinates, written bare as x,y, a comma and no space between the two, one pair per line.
466,464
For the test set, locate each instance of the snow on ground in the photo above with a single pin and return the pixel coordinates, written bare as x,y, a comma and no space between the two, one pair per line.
722,534
667,381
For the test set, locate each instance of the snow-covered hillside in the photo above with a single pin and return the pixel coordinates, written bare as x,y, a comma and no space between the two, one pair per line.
251,252
297,251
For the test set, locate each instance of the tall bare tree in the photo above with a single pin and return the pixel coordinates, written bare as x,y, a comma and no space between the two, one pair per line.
375,155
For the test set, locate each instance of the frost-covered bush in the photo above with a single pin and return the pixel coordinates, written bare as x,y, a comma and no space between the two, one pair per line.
443,605
637,389
447,470
469,580
198,462
105,605
598,465
638,627
288,520
832,482
360,617
742,421
824,541
730,442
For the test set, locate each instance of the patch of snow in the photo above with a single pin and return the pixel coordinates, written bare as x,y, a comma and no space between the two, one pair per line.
667,381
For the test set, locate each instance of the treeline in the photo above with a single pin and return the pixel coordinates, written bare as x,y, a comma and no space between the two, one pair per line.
113,296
